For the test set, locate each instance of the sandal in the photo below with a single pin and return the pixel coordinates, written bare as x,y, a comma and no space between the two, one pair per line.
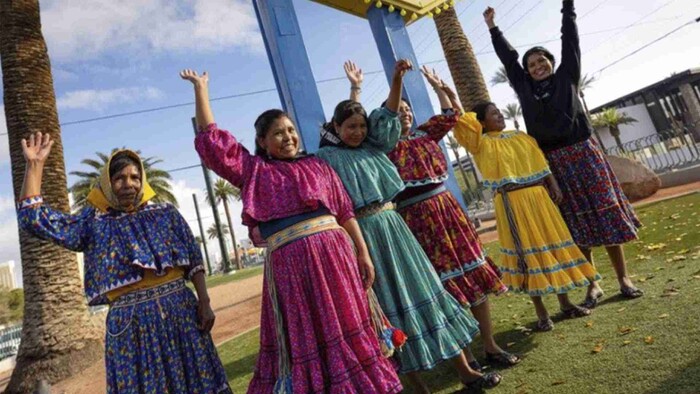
485,381
592,301
475,365
503,358
631,292
575,311
544,325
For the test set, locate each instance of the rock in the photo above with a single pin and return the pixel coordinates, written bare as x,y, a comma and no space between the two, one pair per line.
636,179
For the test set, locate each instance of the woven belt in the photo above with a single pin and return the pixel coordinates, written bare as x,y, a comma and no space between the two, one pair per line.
512,225
152,293
421,197
374,209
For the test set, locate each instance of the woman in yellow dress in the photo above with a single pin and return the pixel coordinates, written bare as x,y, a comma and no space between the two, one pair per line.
538,255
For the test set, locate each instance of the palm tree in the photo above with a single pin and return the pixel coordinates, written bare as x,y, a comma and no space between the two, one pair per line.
212,233
500,77
455,146
224,192
58,338
612,119
157,178
513,112
461,59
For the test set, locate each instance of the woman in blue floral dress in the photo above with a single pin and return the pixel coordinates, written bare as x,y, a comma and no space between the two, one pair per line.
137,257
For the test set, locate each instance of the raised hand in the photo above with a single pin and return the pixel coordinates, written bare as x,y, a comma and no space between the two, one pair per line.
432,77
489,17
37,148
456,104
196,79
353,73
401,67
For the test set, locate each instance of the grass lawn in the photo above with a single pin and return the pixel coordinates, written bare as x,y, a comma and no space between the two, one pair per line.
220,279
648,345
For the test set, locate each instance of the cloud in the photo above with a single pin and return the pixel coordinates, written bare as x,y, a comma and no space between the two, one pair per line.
98,100
78,30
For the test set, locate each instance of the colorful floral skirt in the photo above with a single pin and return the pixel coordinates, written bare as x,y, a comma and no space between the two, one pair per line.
412,296
594,207
153,345
331,343
554,263
450,241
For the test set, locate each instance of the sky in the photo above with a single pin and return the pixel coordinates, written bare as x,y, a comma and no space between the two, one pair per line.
114,57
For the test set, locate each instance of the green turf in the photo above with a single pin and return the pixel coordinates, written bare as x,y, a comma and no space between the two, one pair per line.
220,279
648,345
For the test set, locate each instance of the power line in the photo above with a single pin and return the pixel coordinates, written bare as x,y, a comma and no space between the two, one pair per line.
696,20
373,72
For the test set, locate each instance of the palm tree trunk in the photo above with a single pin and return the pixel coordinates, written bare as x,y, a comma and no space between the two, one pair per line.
462,170
461,60
239,264
588,114
58,338
615,132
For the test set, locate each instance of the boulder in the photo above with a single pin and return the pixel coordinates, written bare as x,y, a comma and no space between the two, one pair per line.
636,179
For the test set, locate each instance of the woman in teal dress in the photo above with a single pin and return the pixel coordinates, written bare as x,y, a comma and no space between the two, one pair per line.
408,289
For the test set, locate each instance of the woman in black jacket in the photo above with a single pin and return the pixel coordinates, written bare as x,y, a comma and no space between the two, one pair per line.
594,207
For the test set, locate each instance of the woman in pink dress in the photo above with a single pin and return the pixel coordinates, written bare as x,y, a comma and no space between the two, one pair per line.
316,333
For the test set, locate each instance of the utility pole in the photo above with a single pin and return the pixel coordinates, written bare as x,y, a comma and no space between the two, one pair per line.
201,233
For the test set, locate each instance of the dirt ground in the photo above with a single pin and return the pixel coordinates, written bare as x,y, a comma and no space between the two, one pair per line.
237,308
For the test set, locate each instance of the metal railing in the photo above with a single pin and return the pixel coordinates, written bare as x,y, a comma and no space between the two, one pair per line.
10,338
665,151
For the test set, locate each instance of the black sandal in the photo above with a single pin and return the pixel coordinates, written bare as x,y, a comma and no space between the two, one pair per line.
544,325
486,381
475,365
592,301
503,358
575,311
631,292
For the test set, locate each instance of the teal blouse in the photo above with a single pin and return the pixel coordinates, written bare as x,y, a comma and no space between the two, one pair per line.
366,171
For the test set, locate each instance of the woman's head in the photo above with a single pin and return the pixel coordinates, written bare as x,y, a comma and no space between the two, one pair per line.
350,123
125,178
405,115
490,116
539,63
275,135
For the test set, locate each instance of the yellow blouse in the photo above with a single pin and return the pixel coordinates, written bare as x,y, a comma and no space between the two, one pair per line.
149,280
503,157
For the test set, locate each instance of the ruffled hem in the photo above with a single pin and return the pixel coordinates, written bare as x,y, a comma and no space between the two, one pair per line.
437,331
473,286
310,373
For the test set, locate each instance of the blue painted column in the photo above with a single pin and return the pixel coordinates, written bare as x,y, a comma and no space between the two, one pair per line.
393,42
291,68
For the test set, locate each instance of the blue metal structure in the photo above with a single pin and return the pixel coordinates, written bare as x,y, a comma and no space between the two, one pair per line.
295,81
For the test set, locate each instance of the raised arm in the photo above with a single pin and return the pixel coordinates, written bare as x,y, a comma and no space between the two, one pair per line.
203,114
355,76
570,45
400,69
32,214
506,53
217,148
436,83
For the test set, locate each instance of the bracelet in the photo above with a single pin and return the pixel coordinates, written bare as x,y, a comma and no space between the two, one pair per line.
355,88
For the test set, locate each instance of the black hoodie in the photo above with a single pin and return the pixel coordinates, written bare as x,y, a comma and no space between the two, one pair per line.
551,108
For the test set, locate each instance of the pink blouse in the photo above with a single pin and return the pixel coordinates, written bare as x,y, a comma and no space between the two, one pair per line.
273,189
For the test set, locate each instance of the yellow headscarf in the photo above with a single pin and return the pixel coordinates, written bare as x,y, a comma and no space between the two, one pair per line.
102,196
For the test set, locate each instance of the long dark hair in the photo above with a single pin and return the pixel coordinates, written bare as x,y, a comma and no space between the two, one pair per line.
122,160
480,109
343,111
262,126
